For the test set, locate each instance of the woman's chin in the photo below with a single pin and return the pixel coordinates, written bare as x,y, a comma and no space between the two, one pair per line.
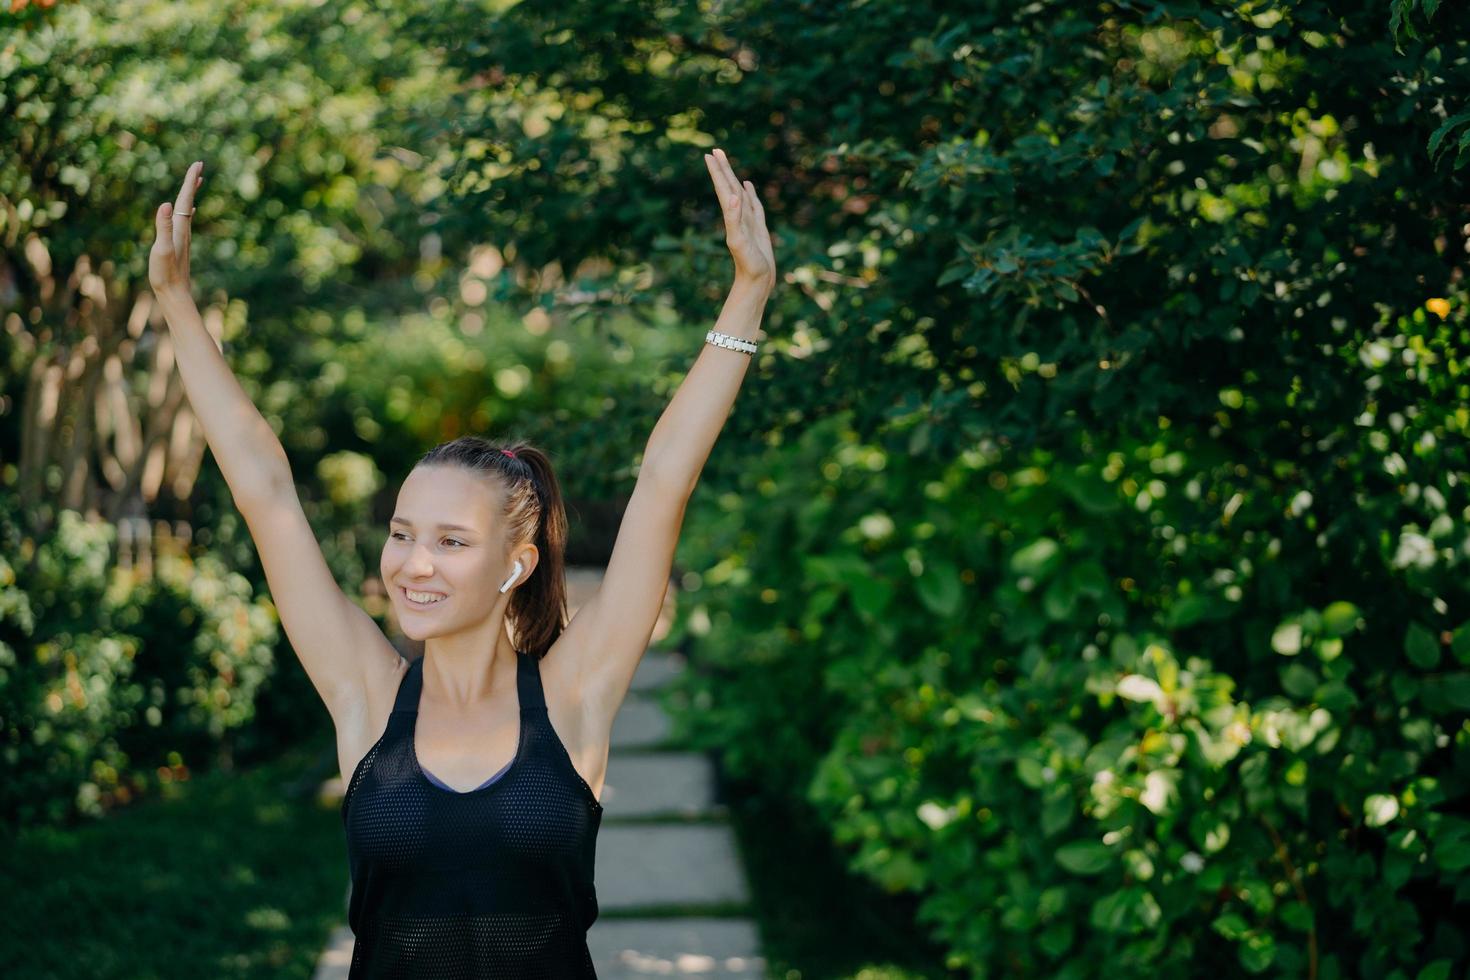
416,631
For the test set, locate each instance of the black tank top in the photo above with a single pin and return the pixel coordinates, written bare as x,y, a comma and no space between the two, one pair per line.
494,882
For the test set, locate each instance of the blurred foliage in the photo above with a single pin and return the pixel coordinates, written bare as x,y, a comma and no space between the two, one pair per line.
1100,578
360,341
991,222
1089,547
90,724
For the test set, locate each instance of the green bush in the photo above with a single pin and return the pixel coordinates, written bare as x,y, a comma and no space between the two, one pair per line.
1088,543
109,684
1098,723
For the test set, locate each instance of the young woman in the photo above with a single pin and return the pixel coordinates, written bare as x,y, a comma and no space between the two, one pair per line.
455,874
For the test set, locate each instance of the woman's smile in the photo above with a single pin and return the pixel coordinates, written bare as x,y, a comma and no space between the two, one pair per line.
432,598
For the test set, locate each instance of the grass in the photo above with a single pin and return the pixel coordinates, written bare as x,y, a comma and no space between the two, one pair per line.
226,875
818,920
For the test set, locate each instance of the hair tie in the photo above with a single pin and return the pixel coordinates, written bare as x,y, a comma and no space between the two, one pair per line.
509,453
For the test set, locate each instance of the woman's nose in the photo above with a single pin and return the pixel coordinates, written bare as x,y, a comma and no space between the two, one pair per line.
418,559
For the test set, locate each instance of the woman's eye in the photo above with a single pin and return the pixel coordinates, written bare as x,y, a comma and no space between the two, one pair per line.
400,536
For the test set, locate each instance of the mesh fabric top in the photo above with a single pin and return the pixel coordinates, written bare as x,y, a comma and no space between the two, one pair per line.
495,882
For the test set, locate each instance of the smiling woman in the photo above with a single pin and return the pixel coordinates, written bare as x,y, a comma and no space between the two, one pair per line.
494,880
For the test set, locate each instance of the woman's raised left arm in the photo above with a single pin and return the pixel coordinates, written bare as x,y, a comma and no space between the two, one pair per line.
609,634
686,431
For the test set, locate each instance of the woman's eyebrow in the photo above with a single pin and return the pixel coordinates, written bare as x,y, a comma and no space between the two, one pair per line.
444,527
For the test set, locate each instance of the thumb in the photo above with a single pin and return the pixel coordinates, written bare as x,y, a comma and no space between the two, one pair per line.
163,222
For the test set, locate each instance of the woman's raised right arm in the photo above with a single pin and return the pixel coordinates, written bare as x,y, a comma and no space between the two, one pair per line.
344,652
245,446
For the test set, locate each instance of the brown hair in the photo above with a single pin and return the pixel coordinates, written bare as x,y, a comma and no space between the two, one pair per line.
533,509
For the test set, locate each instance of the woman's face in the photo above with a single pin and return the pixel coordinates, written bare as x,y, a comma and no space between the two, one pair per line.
445,539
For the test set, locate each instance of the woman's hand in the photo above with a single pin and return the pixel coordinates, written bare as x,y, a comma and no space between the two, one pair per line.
168,263
745,223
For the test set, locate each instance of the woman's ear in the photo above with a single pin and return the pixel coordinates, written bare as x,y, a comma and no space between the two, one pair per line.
529,557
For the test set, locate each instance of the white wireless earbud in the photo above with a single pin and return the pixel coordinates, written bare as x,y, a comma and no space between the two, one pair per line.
513,576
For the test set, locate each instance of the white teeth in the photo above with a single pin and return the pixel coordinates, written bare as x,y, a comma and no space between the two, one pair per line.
423,597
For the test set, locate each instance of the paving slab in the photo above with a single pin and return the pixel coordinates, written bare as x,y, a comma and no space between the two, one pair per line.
657,668
642,784
640,723
336,959
641,865
624,949
583,582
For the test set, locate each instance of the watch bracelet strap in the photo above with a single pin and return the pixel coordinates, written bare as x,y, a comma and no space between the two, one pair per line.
730,343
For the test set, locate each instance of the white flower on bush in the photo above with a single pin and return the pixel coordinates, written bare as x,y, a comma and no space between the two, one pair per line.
934,815
1375,354
1238,732
1158,790
1136,687
876,527
1414,549
1379,809
1192,863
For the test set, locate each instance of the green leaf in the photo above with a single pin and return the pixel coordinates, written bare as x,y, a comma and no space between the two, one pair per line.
1297,916
1453,857
1055,939
1189,610
1444,128
1438,970
870,595
1231,926
1340,618
1056,814
1398,867
1037,558
1460,643
1421,647
957,270
1114,912
1059,599
1299,681
1257,952
1452,689
1084,857
939,587
1090,580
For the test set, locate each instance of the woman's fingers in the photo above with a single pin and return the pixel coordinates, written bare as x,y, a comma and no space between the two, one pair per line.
760,210
185,200
731,181
163,225
712,166
725,183
183,224
757,215
729,197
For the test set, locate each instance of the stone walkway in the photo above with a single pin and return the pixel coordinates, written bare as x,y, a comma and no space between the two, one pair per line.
671,892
